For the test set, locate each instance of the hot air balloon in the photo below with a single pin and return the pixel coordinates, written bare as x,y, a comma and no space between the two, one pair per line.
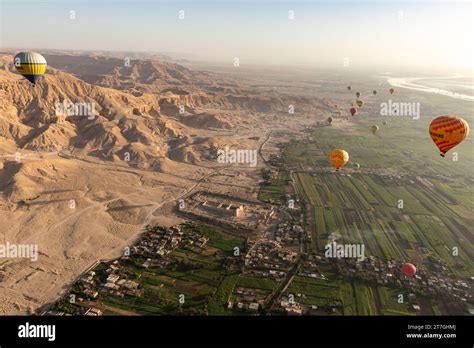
31,65
357,94
339,158
374,128
374,92
329,120
357,165
447,132
408,269
353,111
359,103
348,88
391,90
384,123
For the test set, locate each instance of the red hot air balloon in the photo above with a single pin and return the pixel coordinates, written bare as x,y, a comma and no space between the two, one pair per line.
391,90
353,111
408,269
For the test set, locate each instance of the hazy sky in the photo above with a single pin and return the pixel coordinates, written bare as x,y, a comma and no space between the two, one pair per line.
369,33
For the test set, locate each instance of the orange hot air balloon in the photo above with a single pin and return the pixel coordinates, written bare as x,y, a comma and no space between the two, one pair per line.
447,132
408,269
339,158
391,90
353,111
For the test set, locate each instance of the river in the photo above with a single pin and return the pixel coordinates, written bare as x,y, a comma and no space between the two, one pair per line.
420,84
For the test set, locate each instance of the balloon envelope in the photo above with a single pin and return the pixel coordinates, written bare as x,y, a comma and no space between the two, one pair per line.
374,92
348,88
353,111
375,128
391,90
357,94
447,132
408,269
330,119
359,103
339,158
31,65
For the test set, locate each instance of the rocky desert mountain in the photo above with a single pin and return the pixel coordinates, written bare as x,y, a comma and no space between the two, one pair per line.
82,186
175,102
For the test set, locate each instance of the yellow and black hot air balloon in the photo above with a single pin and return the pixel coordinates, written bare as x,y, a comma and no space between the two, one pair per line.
359,103
339,158
374,128
31,65
447,132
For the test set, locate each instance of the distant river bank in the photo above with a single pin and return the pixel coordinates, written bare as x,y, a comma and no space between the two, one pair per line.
454,87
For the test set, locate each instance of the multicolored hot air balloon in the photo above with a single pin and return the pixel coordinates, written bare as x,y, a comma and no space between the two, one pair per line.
391,90
357,94
374,129
374,92
329,120
353,111
408,269
339,158
31,65
359,103
447,132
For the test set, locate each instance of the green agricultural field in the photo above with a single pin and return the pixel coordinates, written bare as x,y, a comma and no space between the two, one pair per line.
219,239
404,203
318,292
276,190
218,302
256,283
437,199
389,300
203,278
356,298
